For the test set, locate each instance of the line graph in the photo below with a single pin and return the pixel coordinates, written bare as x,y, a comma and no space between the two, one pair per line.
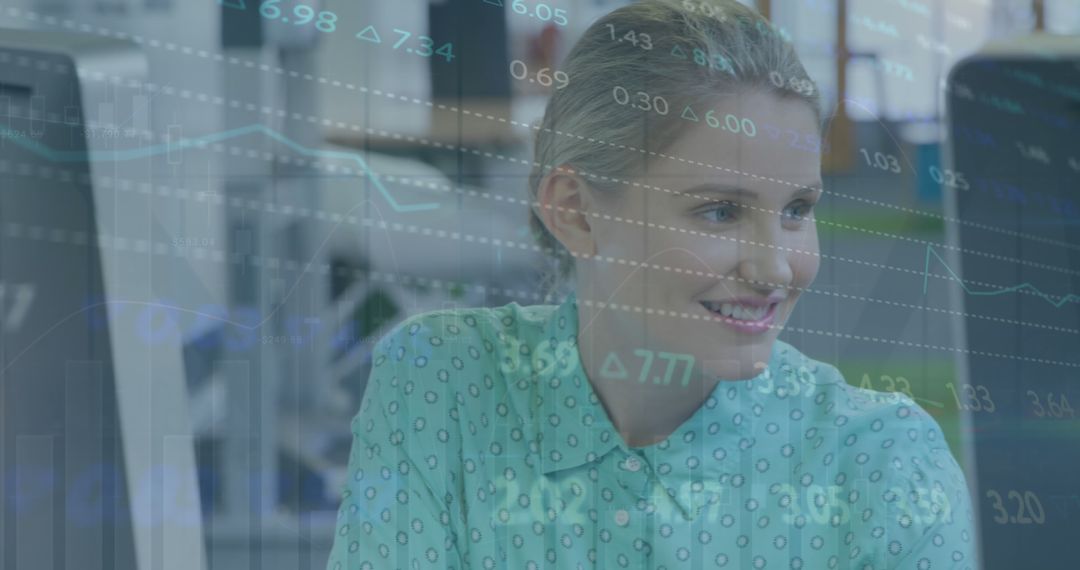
257,128
118,155
991,292
39,18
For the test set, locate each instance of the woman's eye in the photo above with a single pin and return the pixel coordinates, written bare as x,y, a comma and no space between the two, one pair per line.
799,211
720,212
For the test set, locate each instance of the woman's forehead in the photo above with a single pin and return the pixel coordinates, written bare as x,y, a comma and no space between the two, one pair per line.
778,142
708,163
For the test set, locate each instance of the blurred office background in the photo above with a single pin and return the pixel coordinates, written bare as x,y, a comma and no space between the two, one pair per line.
347,178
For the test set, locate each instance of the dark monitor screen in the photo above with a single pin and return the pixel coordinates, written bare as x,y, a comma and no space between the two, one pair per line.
95,453
65,488
1015,270
478,32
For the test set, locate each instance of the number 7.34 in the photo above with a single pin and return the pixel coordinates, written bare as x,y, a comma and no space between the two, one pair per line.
422,46
326,22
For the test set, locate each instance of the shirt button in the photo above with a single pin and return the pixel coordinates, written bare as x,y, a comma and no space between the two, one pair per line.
632,464
622,517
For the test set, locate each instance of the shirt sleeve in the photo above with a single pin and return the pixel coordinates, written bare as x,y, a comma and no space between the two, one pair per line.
928,506
400,506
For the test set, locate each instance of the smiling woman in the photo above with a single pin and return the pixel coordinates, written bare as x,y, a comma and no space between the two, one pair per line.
553,435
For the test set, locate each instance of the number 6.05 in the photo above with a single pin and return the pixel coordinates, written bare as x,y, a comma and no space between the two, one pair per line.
543,12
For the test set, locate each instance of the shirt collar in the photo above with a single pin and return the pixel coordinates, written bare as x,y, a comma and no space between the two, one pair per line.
718,445
574,427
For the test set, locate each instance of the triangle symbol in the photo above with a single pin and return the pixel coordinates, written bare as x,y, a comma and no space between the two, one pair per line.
612,360
678,52
688,111
494,2
237,4
369,34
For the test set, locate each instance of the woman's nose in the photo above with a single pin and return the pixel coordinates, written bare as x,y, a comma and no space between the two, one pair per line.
764,262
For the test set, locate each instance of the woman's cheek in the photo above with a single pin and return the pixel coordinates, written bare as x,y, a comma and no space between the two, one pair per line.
714,254
805,257
620,249
805,266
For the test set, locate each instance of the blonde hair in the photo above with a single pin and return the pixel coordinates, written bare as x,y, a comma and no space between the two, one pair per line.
701,50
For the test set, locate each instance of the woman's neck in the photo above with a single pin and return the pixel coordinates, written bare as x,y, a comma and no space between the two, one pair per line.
615,359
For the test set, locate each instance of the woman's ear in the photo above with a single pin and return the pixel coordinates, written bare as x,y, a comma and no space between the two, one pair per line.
563,202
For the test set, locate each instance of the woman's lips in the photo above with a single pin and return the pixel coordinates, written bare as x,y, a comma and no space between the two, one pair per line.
744,326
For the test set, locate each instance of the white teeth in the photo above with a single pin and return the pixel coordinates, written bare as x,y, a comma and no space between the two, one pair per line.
739,312
755,313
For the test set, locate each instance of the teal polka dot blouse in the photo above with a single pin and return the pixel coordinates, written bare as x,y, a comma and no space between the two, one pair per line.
479,443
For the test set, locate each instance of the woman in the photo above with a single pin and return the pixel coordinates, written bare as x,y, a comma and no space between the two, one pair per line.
652,419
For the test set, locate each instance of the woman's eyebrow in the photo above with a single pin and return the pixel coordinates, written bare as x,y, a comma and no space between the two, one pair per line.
713,188
741,192
810,189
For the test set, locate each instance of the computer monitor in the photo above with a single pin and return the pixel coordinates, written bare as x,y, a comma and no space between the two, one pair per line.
479,69
1013,268
97,461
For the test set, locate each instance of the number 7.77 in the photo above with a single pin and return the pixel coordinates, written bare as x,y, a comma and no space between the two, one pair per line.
404,36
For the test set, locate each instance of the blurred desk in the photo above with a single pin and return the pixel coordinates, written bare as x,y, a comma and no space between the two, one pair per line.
478,125
459,134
